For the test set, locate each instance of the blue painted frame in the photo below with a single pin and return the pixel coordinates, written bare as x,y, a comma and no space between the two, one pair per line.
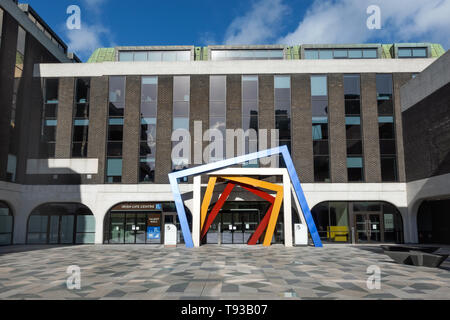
283,150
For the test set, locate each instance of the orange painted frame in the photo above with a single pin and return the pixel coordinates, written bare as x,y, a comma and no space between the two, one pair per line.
271,217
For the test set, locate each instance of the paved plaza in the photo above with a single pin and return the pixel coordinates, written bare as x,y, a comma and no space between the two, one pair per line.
212,272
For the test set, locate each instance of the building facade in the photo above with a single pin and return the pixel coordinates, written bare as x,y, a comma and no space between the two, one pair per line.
95,146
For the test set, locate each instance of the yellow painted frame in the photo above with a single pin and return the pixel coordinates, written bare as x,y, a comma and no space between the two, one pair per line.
276,206
207,200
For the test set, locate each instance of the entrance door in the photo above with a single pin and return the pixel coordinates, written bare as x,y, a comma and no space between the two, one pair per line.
368,227
238,226
135,228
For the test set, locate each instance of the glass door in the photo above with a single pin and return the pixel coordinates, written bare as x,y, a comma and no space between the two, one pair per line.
368,227
141,226
251,221
130,228
117,228
238,227
227,227
54,230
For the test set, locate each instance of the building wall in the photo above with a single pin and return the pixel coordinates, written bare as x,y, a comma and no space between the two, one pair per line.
7,63
427,136
199,111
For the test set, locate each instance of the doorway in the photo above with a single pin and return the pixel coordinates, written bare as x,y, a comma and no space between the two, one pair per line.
135,228
234,226
368,228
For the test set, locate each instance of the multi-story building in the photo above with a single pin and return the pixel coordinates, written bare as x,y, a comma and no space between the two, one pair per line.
95,144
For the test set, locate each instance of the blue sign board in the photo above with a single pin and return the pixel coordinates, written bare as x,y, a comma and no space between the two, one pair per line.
153,233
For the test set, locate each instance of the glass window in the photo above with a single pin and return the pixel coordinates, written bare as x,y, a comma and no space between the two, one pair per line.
352,87
370,53
82,90
140,56
311,54
250,54
125,56
419,52
355,53
181,88
319,86
388,169
148,129
217,88
321,168
51,91
340,53
384,85
117,91
217,113
169,56
326,54
114,170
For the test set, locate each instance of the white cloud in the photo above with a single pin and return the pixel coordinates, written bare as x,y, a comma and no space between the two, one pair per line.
261,24
94,4
87,39
344,21
91,36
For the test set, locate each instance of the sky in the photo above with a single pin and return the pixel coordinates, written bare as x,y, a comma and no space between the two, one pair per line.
109,23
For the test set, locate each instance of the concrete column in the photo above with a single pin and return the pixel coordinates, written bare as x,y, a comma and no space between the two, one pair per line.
369,113
302,144
63,148
338,137
287,210
131,134
196,210
164,130
98,117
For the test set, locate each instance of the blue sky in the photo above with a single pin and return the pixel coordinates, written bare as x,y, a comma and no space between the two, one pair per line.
107,23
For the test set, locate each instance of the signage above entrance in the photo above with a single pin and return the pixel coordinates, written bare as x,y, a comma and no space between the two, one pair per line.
137,206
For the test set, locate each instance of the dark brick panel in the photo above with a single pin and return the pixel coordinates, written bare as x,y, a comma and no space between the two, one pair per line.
399,80
266,106
302,147
338,137
427,136
234,102
199,111
7,63
65,118
98,118
164,129
131,130
371,142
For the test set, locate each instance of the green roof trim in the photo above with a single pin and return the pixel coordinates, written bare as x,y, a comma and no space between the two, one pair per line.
386,52
103,55
437,50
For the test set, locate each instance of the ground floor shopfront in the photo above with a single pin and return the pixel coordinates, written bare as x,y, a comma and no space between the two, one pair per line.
110,214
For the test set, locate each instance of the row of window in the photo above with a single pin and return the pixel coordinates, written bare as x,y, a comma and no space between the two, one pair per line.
314,54
269,54
259,54
171,55
217,115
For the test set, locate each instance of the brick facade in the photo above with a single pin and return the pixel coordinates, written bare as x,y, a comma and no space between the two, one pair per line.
427,136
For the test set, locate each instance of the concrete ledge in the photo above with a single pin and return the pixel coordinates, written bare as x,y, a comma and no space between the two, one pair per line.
62,166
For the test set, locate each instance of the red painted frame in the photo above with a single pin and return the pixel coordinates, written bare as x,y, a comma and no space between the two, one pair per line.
224,197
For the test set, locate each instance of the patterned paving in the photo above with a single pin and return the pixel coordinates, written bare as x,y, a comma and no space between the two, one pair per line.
211,272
